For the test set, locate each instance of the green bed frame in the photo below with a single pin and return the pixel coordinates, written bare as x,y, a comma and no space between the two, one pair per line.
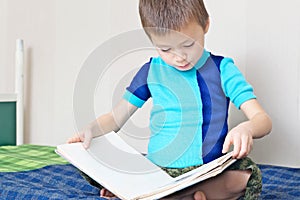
8,129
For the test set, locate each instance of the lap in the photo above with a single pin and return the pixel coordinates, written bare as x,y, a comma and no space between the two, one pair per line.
242,178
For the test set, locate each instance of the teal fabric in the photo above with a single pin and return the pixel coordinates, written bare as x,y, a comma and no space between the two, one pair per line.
202,60
234,84
176,117
134,100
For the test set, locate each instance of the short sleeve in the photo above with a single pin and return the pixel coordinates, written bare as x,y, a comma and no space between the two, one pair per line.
137,93
234,83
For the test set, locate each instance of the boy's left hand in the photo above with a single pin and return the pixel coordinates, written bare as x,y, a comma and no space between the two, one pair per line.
242,140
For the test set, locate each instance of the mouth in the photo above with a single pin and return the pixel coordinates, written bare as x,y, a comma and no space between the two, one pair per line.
184,66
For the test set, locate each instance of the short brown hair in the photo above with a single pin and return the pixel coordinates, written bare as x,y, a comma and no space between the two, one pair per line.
164,15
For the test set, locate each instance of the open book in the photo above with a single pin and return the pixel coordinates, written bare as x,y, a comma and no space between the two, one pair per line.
128,174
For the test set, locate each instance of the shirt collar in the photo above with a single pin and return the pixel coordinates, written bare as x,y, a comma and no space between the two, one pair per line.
203,59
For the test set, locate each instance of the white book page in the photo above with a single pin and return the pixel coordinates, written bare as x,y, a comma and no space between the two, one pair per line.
116,166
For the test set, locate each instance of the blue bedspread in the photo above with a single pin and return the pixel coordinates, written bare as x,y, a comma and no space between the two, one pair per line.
50,182
280,182
65,182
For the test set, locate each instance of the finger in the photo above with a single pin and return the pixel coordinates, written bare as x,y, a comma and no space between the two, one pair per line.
86,145
245,144
243,149
69,141
227,144
236,147
87,142
250,145
73,140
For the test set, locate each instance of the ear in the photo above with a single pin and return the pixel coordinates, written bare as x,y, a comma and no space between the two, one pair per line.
207,25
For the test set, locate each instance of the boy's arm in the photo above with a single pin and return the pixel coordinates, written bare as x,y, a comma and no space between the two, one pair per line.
241,137
105,123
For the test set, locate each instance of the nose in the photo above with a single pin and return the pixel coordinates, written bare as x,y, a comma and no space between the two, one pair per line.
180,56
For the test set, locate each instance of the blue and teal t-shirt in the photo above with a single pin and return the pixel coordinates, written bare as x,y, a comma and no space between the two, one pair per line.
188,120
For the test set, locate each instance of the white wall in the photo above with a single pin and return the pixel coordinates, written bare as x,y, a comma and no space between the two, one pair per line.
4,71
262,37
273,67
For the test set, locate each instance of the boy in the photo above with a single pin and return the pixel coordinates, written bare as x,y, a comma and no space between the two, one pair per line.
191,89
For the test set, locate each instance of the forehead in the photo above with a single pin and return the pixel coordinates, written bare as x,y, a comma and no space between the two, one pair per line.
190,32
170,38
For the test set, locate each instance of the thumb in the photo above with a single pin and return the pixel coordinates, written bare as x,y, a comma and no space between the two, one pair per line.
86,144
87,141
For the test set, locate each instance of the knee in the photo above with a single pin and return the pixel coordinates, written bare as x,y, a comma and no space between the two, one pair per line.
235,182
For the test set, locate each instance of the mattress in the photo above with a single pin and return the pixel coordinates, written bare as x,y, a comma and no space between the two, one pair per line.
36,172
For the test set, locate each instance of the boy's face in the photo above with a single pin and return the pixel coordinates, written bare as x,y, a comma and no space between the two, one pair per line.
181,49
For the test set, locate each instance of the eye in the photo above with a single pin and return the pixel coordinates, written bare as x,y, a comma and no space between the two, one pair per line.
165,49
189,44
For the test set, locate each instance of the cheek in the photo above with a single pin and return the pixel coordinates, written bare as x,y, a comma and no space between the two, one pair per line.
196,54
166,57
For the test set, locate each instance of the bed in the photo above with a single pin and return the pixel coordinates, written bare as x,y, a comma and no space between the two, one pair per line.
36,172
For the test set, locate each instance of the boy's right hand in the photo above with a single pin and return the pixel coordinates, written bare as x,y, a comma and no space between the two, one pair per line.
84,136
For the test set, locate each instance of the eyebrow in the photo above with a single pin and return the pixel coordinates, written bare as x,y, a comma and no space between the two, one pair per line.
168,46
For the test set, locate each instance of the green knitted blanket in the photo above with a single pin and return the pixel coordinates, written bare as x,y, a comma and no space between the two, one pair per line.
27,157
